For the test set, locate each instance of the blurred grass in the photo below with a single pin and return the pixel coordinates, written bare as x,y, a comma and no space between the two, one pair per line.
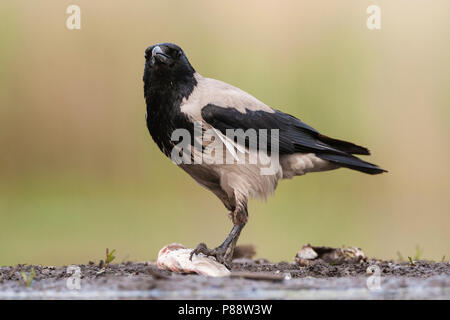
79,172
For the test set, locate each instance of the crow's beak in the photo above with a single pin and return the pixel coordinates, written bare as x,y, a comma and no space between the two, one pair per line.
159,55
156,50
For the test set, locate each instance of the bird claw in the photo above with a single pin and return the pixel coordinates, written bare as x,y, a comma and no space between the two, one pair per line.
218,253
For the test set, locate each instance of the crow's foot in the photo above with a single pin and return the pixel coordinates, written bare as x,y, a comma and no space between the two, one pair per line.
219,253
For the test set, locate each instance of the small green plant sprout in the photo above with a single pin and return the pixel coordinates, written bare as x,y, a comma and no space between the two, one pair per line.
28,278
418,254
443,258
411,262
109,256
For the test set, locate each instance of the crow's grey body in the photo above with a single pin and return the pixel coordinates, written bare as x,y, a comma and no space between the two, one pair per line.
234,183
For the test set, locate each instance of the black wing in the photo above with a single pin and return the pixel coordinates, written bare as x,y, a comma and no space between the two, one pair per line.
294,135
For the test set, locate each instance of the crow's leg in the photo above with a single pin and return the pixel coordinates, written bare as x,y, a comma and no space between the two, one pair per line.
224,252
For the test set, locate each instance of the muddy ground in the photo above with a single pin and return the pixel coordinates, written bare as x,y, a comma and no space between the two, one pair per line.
250,279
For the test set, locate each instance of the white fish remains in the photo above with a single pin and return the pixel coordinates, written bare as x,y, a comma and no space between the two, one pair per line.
175,257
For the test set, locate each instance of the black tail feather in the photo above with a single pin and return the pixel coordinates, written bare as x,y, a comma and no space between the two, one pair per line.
352,162
344,145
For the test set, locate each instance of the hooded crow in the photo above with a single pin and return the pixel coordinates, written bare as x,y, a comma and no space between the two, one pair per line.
180,100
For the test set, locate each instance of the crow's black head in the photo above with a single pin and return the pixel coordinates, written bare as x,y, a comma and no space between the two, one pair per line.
166,63
168,79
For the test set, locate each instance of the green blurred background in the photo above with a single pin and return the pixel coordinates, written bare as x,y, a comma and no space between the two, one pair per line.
80,173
